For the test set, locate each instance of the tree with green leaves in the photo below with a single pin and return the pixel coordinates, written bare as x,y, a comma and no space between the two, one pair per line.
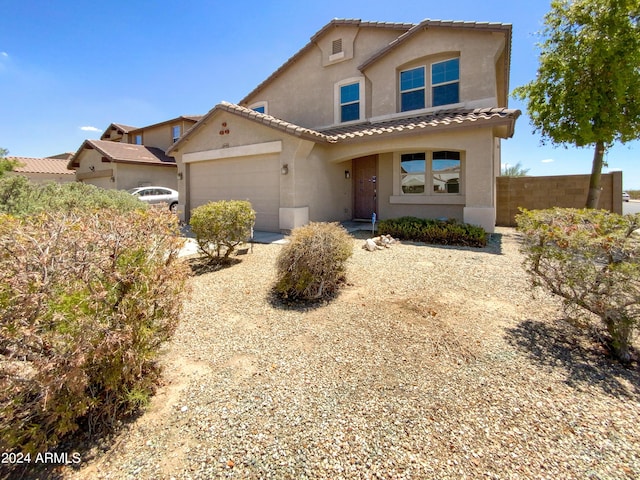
6,164
587,89
514,170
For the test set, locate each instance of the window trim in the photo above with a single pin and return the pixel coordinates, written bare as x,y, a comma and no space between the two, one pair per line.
337,116
429,195
411,90
450,82
263,104
429,86
173,132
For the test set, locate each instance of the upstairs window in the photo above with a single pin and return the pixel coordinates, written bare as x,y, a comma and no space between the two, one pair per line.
138,139
175,132
350,102
260,107
412,89
445,82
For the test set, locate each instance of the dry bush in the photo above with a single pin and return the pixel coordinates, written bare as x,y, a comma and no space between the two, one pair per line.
221,226
590,259
86,301
312,265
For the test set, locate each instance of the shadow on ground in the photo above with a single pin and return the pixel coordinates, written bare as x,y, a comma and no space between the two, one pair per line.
584,359
202,265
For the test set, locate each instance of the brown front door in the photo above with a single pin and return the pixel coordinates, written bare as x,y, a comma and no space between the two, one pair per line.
365,186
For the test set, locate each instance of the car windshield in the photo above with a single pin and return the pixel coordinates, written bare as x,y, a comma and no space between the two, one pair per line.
133,191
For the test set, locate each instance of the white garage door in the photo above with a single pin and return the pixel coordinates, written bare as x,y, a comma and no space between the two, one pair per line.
256,179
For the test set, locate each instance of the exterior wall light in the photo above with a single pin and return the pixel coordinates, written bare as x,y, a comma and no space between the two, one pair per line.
347,174
113,179
285,169
179,175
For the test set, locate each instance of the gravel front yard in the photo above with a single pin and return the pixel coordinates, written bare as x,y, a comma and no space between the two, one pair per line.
433,362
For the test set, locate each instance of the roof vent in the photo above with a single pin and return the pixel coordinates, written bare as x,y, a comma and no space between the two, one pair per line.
336,47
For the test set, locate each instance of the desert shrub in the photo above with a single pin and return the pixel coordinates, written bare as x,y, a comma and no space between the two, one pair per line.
591,259
20,197
221,226
312,265
441,232
86,300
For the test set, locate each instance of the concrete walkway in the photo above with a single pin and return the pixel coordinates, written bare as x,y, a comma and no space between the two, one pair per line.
191,247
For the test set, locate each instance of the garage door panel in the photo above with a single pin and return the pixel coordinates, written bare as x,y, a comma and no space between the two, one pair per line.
256,180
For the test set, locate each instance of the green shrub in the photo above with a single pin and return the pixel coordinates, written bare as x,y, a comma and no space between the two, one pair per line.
442,232
86,300
591,259
312,265
221,226
20,197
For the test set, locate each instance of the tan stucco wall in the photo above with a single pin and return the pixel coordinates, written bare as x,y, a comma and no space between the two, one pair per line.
309,80
161,135
129,176
312,78
477,51
567,191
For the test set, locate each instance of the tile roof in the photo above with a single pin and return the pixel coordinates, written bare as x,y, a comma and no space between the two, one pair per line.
125,153
441,119
273,122
55,166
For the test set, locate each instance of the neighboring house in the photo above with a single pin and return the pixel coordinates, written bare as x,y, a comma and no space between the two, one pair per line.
127,157
122,166
388,118
40,170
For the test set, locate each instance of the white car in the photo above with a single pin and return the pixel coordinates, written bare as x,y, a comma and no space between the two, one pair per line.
157,195
625,197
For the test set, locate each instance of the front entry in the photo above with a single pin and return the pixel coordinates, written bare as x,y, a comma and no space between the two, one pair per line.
365,201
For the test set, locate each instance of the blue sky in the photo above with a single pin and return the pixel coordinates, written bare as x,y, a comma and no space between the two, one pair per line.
69,68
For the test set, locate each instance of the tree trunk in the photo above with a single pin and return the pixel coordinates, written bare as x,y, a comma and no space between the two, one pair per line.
596,173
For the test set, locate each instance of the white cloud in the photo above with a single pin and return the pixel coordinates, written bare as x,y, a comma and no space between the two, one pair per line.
90,129
548,160
4,54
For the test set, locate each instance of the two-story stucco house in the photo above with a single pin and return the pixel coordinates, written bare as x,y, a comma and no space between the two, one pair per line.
392,118
126,157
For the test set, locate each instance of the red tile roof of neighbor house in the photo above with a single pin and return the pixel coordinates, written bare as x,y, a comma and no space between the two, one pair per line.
118,152
55,166
440,119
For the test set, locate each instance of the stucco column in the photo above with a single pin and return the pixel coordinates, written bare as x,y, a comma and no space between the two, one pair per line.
480,184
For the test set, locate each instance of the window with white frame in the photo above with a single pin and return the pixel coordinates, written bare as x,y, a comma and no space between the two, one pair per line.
427,173
175,133
260,107
445,82
349,95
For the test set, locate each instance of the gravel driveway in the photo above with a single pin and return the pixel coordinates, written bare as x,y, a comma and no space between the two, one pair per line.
433,362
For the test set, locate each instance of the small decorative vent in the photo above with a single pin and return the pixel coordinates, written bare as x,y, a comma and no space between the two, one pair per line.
336,46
